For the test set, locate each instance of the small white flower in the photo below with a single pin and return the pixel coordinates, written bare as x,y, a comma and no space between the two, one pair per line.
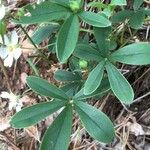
39,1
14,100
11,51
2,11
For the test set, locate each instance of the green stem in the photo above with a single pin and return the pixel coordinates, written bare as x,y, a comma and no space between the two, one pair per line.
42,55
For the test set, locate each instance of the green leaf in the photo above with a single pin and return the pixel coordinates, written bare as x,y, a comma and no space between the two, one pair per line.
97,20
121,16
44,88
86,52
58,134
74,64
42,33
137,23
137,4
118,2
101,90
33,114
44,12
94,79
119,85
66,76
97,4
64,3
101,35
134,54
67,38
72,88
147,12
97,124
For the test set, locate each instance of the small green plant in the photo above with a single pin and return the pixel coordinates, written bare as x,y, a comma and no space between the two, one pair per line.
63,21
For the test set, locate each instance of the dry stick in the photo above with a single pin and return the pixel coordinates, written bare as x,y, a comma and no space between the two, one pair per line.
141,76
5,74
141,97
6,139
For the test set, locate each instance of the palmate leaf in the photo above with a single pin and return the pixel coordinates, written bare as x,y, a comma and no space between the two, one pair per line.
33,114
67,38
94,79
119,85
58,134
134,54
44,88
97,20
44,12
97,124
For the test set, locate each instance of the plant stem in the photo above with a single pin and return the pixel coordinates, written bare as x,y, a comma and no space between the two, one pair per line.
42,55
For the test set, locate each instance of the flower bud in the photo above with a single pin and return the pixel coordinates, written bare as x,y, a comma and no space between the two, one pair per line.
20,12
83,64
74,5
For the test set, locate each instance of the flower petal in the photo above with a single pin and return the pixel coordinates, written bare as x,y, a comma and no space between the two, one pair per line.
18,107
11,105
1,41
5,95
3,52
2,10
9,60
17,53
14,38
6,40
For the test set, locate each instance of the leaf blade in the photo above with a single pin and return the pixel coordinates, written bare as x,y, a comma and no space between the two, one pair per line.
134,54
97,20
67,38
102,89
119,85
86,52
44,88
94,78
66,76
33,114
44,12
97,124
58,133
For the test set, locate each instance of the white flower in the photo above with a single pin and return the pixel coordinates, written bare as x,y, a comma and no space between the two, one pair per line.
39,1
14,100
11,51
2,11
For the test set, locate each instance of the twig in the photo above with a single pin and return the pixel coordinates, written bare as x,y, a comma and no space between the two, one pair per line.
4,138
141,97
